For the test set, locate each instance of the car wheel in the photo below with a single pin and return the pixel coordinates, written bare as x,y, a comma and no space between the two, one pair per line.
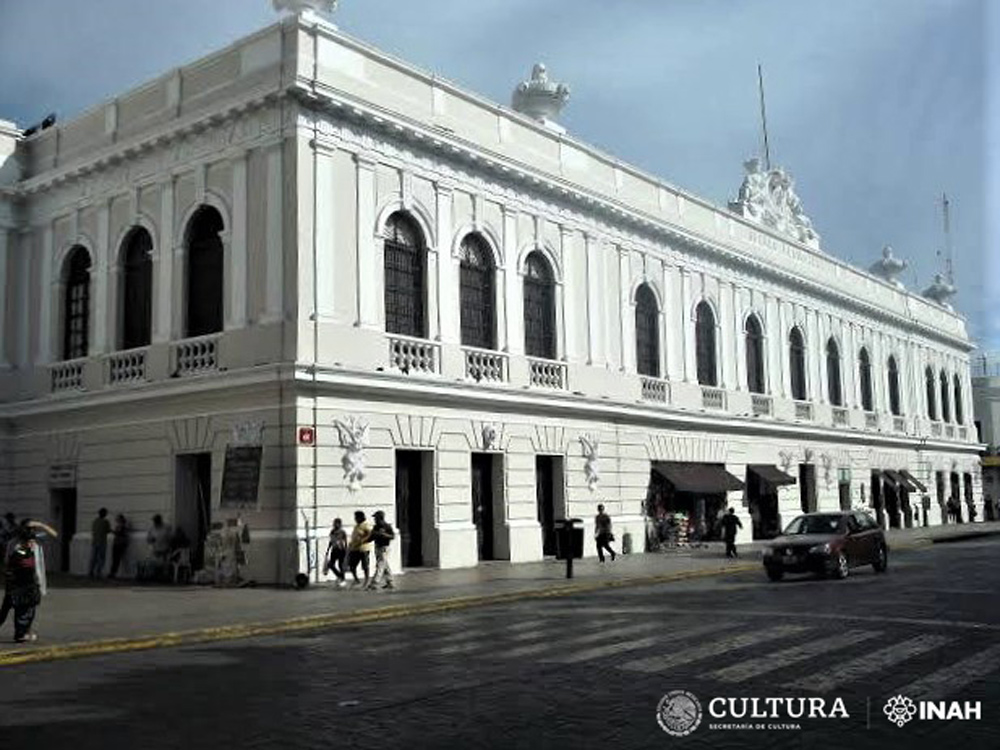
881,561
775,574
842,567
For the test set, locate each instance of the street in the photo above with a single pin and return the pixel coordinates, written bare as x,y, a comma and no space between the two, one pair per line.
580,671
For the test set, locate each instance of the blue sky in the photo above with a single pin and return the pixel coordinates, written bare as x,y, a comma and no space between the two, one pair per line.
875,106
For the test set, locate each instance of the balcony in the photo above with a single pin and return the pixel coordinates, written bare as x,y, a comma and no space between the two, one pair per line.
899,424
839,416
547,373
936,429
126,367
804,411
67,376
484,365
195,356
762,405
412,355
871,420
655,390
713,398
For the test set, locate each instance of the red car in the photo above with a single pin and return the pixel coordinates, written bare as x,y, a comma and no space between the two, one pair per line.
827,544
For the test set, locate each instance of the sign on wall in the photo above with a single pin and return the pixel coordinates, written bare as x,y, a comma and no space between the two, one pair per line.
241,476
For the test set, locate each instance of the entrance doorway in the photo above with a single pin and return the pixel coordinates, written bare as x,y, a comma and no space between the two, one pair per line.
892,504
762,498
410,493
956,495
969,502
193,502
63,512
807,488
484,503
844,492
549,497
878,497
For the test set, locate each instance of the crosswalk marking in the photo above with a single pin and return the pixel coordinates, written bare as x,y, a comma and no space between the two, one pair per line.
458,648
539,648
528,624
600,652
953,678
762,665
877,661
666,661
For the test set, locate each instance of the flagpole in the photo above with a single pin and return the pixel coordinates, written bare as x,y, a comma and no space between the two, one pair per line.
763,117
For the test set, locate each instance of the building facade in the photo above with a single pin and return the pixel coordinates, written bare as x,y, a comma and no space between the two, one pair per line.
986,405
411,298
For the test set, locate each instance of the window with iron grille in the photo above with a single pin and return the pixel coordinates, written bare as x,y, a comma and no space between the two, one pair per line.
405,271
705,345
539,308
931,395
137,290
959,411
476,291
205,260
76,305
755,355
797,364
945,405
865,375
833,373
894,406
647,332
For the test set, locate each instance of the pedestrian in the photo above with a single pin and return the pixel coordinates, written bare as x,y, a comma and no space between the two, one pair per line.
336,551
603,534
119,543
159,538
26,582
359,546
99,531
730,522
382,534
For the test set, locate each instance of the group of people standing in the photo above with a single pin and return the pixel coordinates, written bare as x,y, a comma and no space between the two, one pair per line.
366,536
100,530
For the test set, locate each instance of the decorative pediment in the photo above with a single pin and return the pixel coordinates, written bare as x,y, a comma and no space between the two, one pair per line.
768,197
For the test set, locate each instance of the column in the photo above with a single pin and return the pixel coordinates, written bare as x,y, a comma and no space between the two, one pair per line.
849,388
5,296
105,294
513,300
740,340
773,336
593,263
163,277
726,338
783,349
673,323
823,329
448,283
274,246
45,332
571,294
237,270
812,360
687,331
369,260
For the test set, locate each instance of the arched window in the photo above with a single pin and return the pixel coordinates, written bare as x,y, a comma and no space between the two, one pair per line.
755,355
405,270
704,332
647,332
865,379
945,399
833,383
204,273
959,409
797,364
931,394
137,290
893,369
476,291
76,304
539,308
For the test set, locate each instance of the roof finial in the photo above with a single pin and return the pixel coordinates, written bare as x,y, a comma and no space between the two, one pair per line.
305,7
541,98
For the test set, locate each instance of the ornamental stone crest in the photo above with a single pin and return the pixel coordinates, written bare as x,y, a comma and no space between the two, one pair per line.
305,6
591,445
540,97
827,461
786,460
353,439
768,197
489,437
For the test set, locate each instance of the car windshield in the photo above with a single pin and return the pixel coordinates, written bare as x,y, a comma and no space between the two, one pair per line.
820,524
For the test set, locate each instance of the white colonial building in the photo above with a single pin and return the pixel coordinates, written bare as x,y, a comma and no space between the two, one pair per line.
414,299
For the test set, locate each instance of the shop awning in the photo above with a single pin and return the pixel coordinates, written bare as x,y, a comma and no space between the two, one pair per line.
772,475
893,477
913,480
708,479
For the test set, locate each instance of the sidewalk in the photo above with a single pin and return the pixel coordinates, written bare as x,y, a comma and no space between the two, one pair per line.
106,617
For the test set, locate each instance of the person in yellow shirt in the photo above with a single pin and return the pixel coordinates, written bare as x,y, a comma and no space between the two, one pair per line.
359,547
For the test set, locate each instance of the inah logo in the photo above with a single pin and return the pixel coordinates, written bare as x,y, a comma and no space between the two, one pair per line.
900,710
678,713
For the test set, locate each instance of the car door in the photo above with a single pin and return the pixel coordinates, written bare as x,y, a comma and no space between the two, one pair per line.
854,544
870,531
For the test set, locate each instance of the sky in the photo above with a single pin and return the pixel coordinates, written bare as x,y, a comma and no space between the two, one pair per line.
876,107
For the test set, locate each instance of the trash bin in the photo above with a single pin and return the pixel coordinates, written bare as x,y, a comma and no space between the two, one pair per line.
626,543
569,539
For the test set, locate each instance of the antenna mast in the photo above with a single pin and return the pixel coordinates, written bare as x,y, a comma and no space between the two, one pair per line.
948,257
763,118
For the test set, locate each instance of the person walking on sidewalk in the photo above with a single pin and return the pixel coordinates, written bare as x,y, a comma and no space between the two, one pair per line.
382,535
730,522
119,544
336,551
359,546
603,534
99,531
26,582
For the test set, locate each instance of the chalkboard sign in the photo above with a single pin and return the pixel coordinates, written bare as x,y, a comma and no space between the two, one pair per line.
241,476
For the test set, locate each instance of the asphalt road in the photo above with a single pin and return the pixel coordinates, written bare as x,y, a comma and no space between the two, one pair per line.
585,671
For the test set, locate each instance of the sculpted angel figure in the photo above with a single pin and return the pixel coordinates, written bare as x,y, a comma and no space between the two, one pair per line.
590,446
353,439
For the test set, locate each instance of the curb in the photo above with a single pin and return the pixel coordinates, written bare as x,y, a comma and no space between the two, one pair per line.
965,535
316,622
